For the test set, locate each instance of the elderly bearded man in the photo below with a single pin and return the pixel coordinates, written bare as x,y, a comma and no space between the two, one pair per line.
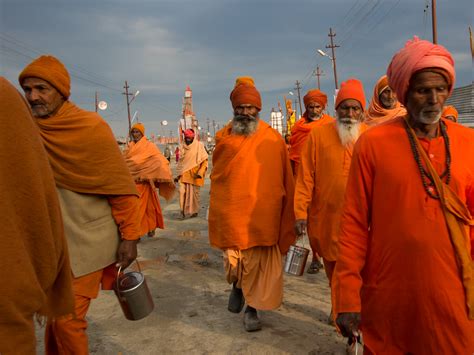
384,104
191,171
322,177
404,273
98,199
315,102
251,207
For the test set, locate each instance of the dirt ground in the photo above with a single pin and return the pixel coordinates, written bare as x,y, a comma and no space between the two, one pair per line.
186,279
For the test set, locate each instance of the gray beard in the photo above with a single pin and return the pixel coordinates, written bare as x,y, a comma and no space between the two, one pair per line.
244,125
348,131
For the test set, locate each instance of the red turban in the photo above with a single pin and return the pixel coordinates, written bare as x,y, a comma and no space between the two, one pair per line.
188,133
140,127
50,69
315,95
351,89
415,56
245,92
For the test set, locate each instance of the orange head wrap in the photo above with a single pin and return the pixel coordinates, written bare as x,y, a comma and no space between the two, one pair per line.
450,111
382,85
140,127
351,89
245,92
50,69
415,56
315,95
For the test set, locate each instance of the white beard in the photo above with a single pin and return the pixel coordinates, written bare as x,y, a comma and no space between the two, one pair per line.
348,131
428,120
244,127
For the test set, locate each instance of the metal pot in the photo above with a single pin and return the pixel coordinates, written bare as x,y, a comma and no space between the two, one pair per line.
296,260
133,294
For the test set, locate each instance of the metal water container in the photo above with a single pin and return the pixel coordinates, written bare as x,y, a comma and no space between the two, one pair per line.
133,294
296,259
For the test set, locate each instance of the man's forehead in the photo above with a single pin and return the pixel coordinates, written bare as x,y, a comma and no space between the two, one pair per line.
314,103
34,81
245,105
427,75
350,103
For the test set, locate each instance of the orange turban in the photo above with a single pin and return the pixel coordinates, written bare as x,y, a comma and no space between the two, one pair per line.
315,95
351,89
140,127
50,69
245,92
415,56
450,111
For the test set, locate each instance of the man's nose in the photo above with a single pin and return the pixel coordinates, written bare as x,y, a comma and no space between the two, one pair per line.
33,95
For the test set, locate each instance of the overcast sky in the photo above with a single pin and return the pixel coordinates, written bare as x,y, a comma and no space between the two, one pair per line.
162,46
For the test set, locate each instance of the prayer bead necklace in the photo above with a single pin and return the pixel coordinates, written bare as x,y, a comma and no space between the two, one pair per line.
426,178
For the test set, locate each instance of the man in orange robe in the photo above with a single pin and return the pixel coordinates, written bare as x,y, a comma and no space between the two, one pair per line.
251,206
315,102
150,170
322,177
98,198
191,171
384,104
34,263
404,274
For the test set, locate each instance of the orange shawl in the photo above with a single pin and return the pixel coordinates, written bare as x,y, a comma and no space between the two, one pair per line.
84,154
34,263
251,191
191,156
376,113
300,132
146,163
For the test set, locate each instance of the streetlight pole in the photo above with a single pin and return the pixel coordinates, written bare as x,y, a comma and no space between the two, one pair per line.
298,87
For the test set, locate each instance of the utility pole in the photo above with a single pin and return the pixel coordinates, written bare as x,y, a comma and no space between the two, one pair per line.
96,101
214,127
471,41
333,46
127,95
317,74
433,21
298,87
208,123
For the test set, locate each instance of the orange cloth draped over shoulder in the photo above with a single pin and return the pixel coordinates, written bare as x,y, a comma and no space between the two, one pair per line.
146,163
321,185
397,264
251,191
85,158
34,263
192,158
377,114
149,168
299,135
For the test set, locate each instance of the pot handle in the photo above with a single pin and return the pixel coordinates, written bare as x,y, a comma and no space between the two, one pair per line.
118,274
301,237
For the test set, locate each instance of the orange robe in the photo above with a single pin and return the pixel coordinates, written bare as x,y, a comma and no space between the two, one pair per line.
149,168
299,135
396,262
252,191
85,158
34,262
193,162
320,187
